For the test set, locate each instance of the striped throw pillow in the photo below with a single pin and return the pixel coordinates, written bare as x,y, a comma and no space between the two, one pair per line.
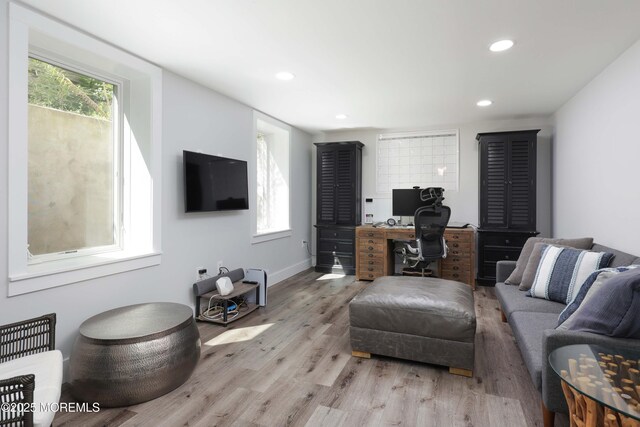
562,271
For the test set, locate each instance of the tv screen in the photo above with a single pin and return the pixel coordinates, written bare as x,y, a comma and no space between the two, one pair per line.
405,202
213,183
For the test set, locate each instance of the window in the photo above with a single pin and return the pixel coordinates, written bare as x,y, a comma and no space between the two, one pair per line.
272,179
84,156
73,168
425,159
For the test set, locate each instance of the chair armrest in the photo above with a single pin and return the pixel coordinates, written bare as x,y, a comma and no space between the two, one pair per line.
17,390
504,269
27,337
552,339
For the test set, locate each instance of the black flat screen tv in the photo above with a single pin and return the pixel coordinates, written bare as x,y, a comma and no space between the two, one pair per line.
213,183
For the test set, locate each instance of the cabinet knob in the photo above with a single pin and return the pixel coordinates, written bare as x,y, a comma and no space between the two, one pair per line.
335,247
506,257
335,234
507,241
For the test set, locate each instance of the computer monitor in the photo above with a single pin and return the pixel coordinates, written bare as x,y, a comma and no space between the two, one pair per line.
405,201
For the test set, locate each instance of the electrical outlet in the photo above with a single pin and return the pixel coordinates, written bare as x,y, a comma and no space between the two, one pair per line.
198,276
304,243
220,265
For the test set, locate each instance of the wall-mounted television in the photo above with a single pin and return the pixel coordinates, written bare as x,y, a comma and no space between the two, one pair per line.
213,183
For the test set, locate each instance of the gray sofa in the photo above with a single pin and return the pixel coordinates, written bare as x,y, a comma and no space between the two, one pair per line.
533,323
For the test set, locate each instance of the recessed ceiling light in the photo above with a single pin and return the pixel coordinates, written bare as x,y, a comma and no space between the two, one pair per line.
501,45
284,75
341,116
484,103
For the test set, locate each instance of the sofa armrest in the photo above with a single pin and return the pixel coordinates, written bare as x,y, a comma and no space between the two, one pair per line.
17,390
552,339
504,269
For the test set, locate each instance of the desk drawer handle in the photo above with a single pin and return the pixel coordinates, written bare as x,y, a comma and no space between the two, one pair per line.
455,267
370,255
371,262
370,248
371,241
412,236
371,275
455,245
370,269
456,275
455,252
455,236
370,234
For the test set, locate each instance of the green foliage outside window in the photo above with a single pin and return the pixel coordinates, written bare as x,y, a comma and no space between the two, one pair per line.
54,87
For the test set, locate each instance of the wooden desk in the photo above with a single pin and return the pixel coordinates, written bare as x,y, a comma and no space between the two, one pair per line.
375,256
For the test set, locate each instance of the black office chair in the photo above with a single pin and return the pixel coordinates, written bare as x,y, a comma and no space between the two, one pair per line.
430,221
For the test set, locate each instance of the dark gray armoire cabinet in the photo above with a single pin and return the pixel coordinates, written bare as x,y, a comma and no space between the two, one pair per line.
338,205
507,197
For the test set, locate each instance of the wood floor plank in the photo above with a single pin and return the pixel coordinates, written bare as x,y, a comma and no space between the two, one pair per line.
326,417
290,364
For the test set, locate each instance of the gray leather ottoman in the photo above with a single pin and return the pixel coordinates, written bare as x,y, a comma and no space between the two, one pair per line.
423,319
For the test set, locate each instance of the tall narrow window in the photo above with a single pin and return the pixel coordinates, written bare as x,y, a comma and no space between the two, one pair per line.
272,178
73,179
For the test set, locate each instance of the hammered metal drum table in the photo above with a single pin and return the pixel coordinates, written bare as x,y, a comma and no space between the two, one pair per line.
133,354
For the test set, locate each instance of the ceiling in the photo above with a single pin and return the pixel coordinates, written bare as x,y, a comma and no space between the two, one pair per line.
385,64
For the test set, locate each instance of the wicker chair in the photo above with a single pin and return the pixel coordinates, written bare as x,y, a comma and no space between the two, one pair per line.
28,357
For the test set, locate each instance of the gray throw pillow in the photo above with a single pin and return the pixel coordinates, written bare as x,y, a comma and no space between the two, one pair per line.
516,276
613,309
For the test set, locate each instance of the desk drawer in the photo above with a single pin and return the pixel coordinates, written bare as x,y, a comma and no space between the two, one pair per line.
369,232
370,275
366,247
464,276
459,249
335,246
456,260
401,235
458,236
365,261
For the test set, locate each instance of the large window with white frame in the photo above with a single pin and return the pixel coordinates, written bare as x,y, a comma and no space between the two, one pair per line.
272,143
84,156
74,167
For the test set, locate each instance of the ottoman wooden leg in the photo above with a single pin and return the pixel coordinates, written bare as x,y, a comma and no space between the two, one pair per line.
363,354
460,371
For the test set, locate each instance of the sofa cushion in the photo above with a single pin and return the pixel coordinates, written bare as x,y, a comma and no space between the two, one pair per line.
512,300
528,328
562,271
516,276
47,368
613,309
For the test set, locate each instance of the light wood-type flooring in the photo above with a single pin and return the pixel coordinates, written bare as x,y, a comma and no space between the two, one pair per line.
290,364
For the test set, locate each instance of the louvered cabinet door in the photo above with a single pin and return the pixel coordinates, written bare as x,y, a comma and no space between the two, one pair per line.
326,187
522,183
494,183
345,186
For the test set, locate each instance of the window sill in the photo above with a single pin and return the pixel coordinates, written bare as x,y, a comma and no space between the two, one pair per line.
52,274
265,237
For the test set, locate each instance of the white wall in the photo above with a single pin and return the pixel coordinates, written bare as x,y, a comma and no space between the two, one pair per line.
194,118
596,158
464,202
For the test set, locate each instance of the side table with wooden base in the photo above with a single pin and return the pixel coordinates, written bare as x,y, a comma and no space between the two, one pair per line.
601,385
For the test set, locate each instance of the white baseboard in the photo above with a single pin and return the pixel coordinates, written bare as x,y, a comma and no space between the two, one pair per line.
285,273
